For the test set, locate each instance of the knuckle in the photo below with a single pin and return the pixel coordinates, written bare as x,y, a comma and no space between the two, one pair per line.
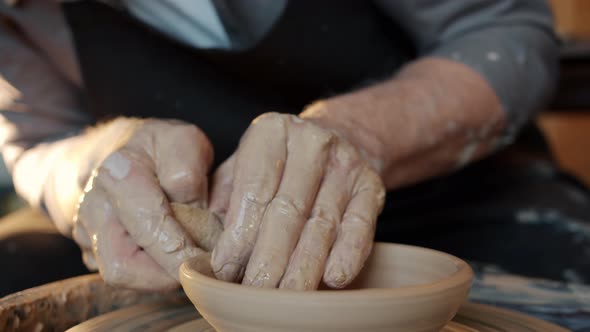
326,229
378,187
269,116
318,134
358,221
269,125
152,126
151,122
324,218
288,205
345,154
190,131
257,197
181,179
373,178
371,181
271,119
146,236
193,134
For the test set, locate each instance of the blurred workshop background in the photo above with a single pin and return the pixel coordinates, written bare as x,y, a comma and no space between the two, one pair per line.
567,122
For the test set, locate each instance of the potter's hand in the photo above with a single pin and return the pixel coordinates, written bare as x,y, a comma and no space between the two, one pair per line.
301,204
124,224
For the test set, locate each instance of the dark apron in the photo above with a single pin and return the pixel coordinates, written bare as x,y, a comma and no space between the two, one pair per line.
316,49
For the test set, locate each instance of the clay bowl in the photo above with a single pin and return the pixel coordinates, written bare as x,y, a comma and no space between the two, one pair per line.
401,288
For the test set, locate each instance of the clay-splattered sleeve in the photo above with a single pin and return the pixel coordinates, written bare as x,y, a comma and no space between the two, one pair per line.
511,43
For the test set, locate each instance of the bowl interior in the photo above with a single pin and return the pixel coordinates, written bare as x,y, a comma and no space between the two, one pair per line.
391,266
399,266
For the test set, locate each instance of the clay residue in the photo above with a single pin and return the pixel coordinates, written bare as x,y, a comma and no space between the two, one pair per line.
202,226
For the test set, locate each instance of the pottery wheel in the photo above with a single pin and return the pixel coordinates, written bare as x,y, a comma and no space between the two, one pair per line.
162,317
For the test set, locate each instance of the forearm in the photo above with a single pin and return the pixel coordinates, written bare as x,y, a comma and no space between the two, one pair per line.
434,116
53,175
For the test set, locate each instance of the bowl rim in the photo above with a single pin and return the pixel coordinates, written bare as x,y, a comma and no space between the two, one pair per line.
459,278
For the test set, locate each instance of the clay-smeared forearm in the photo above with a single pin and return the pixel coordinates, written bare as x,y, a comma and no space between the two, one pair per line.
433,117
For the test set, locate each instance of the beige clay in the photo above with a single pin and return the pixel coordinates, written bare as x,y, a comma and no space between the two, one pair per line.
401,288
203,226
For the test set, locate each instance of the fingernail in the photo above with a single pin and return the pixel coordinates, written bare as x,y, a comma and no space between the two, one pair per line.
172,245
299,285
336,277
89,260
225,266
170,242
287,284
230,272
117,165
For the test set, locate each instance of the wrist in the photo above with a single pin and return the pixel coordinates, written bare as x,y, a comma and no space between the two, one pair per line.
431,118
336,116
81,155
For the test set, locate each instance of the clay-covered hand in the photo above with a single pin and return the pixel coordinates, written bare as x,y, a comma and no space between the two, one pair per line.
301,205
124,224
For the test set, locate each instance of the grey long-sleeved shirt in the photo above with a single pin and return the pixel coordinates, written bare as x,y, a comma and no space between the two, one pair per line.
509,42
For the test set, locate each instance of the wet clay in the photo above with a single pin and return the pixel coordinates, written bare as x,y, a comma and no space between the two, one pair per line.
203,226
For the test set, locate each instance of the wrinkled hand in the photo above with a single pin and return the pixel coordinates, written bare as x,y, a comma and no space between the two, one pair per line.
125,225
301,205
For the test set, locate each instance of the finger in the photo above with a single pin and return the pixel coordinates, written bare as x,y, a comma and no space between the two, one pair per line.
307,263
80,235
355,237
89,260
127,178
123,263
258,168
285,216
182,157
221,188
119,260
